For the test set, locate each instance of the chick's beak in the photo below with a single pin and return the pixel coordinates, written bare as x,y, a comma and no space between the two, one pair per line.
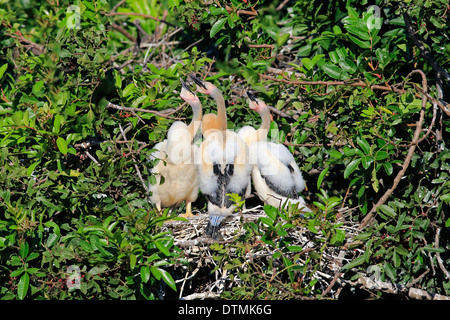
197,81
186,87
251,96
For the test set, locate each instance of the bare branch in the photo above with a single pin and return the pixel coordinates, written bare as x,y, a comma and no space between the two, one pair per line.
158,113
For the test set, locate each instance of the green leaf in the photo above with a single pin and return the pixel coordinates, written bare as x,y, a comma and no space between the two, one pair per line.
334,71
354,263
271,212
352,12
338,238
17,118
360,31
433,249
365,146
128,89
307,63
312,226
32,256
382,57
3,69
86,246
348,65
168,279
138,100
31,168
401,250
335,153
266,221
360,43
396,259
387,210
16,273
337,29
145,273
156,272
295,248
445,197
57,123
55,227
24,249
217,26
22,287
381,155
388,168
390,271
288,264
366,161
132,261
37,88
321,176
98,269
281,40
161,247
352,166
51,240
62,145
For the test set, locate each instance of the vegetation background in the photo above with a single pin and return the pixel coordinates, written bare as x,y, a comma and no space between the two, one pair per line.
358,91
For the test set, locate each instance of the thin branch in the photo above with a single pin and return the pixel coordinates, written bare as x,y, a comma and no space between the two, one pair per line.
330,286
92,158
438,255
439,103
201,296
123,31
158,113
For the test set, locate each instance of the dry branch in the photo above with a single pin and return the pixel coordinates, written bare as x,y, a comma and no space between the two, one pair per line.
164,114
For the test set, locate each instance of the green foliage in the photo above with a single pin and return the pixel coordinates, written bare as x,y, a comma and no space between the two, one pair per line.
75,222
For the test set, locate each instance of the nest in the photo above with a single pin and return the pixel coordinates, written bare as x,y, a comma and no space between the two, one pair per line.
191,237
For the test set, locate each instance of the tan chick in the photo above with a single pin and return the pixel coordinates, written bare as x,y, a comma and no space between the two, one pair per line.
176,172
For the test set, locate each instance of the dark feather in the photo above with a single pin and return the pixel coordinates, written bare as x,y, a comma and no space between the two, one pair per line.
292,193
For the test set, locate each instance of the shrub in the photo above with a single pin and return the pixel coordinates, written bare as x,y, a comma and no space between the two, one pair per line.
358,96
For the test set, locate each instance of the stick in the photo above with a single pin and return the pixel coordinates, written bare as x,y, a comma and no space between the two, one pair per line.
158,113
438,255
201,296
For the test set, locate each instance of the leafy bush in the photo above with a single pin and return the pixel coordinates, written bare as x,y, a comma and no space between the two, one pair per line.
88,89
